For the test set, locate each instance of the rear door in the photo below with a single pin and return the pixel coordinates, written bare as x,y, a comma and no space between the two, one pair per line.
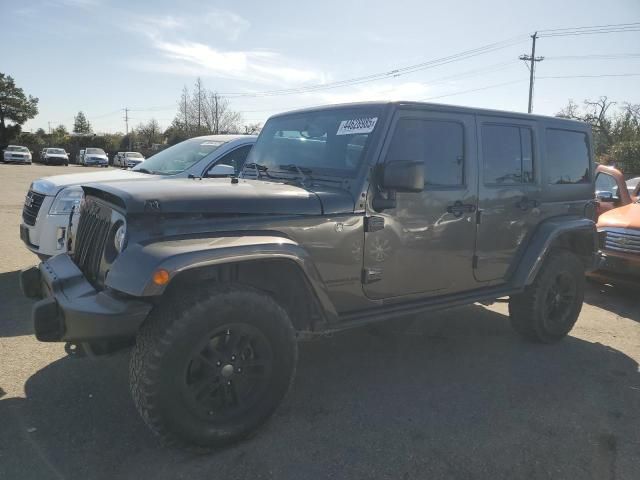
424,246
509,192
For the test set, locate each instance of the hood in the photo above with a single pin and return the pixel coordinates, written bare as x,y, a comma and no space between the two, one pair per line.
56,155
622,217
95,155
220,196
51,185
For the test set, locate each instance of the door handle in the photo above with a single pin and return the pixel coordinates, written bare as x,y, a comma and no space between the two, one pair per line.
525,203
459,208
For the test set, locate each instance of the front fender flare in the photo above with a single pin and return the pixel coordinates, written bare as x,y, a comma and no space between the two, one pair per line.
132,271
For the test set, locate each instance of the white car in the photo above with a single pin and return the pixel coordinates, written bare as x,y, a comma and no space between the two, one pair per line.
50,200
95,157
127,159
16,154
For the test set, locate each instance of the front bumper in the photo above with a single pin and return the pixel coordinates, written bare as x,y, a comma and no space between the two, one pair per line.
71,310
618,267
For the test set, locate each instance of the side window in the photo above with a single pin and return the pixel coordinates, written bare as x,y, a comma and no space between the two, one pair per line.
235,158
438,144
606,183
567,157
507,153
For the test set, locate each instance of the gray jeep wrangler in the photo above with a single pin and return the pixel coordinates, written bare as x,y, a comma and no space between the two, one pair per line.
342,216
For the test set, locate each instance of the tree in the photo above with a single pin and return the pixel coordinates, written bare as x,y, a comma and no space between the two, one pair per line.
60,131
218,117
200,112
149,133
15,107
252,128
81,124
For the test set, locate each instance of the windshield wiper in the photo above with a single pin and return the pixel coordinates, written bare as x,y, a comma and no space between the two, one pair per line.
144,170
260,169
305,173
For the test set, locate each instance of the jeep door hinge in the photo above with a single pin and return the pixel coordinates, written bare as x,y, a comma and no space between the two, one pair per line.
371,275
373,224
474,261
478,217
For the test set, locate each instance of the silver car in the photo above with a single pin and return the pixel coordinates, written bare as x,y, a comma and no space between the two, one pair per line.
50,200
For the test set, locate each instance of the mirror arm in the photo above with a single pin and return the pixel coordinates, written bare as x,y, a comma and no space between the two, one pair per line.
379,204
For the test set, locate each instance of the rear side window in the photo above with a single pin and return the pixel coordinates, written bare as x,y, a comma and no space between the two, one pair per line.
507,153
438,144
567,157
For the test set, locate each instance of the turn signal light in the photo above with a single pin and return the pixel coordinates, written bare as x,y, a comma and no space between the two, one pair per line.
160,277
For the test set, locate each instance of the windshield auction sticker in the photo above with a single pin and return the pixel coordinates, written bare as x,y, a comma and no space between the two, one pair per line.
357,125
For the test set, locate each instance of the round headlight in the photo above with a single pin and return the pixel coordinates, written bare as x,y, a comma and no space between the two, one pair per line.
119,237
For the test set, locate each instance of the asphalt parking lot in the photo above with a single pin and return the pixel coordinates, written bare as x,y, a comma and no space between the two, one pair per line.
455,395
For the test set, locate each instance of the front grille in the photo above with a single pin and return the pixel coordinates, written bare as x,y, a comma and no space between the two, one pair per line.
32,205
91,238
622,240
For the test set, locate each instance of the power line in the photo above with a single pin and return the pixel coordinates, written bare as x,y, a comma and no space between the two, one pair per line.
594,76
589,27
612,56
397,72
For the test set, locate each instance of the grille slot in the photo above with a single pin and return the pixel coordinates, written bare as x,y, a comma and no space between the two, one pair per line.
32,205
623,240
90,240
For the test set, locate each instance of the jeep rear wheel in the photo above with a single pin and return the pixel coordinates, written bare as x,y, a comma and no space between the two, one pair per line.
209,371
548,309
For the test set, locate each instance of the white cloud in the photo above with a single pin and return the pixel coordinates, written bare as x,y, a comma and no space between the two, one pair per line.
178,39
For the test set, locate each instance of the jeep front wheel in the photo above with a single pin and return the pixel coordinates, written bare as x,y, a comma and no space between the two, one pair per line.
548,308
209,371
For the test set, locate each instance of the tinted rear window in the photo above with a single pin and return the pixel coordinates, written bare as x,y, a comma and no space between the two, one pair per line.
507,152
568,158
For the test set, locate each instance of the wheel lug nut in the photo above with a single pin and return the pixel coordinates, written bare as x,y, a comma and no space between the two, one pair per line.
229,382
218,363
233,357
239,370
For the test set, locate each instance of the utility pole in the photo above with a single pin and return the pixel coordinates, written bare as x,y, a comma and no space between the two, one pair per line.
49,123
532,68
126,123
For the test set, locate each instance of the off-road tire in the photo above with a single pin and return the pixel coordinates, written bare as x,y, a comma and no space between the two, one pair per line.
164,346
528,310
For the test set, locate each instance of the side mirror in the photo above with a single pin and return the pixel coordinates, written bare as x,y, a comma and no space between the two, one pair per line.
221,171
605,197
403,176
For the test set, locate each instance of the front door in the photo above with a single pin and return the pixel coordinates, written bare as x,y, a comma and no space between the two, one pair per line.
509,193
424,245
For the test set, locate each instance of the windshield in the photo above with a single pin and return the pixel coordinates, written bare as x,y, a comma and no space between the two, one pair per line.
327,142
56,151
180,157
134,155
17,149
94,151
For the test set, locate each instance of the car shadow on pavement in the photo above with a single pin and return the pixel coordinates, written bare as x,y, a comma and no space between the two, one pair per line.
15,319
619,299
455,395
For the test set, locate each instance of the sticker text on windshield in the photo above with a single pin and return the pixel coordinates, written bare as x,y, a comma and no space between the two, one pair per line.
357,125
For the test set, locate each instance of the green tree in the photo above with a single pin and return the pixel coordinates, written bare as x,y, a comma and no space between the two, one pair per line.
60,131
81,124
15,107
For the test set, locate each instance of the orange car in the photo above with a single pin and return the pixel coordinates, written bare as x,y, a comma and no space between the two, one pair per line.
611,189
620,243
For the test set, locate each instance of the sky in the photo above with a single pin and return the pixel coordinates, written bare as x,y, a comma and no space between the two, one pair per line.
100,56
